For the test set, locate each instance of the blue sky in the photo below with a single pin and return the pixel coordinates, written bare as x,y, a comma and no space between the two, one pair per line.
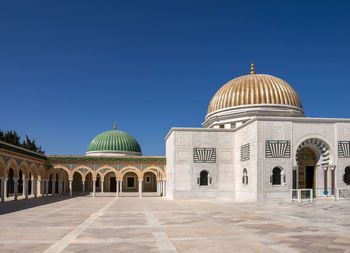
68,69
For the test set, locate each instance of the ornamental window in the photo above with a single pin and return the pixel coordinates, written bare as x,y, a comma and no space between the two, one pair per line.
278,177
204,179
346,177
245,177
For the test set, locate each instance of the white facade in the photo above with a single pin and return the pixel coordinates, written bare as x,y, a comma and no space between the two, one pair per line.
245,157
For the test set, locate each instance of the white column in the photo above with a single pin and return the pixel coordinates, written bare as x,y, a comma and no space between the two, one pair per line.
83,186
40,187
164,188
140,188
46,187
15,180
71,188
158,187
35,187
102,184
53,186
93,187
117,188
25,187
161,187
3,189
32,187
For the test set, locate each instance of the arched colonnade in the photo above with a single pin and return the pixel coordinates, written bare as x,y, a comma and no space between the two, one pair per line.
32,180
83,179
26,179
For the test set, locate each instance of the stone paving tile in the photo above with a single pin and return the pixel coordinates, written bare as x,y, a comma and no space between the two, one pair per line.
117,234
131,224
222,245
29,247
126,247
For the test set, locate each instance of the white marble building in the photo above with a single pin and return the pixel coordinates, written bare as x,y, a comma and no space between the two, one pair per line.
257,145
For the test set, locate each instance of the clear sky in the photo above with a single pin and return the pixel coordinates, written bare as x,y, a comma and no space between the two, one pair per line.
68,69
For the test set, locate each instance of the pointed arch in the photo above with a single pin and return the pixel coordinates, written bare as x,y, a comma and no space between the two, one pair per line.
62,169
33,170
320,145
83,174
108,170
24,167
42,172
156,170
12,164
130,168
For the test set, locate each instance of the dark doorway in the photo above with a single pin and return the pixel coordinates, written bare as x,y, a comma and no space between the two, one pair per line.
310,177
112,184
131,182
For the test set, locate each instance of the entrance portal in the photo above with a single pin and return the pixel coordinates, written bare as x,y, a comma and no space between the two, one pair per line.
307,159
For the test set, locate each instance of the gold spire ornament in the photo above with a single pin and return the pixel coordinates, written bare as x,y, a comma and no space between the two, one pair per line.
115,125
252,69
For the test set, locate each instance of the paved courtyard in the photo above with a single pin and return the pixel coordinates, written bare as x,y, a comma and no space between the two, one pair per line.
130,224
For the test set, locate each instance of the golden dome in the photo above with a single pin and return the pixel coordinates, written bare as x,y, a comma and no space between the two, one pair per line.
254,89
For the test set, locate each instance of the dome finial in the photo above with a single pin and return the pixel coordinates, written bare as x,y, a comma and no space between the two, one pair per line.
115,125
252,68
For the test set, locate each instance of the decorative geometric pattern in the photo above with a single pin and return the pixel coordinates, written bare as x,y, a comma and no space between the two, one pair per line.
320,145
245,152
277,149
203,139
343,149
204,155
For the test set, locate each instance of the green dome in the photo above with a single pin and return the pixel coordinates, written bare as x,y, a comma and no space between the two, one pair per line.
114,140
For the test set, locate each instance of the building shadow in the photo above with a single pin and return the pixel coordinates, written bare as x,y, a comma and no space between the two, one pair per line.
22,204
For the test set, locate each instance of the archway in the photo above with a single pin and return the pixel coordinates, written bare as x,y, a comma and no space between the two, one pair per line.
77,182
130,182
110,182
307,161
149,183
10,183
88,182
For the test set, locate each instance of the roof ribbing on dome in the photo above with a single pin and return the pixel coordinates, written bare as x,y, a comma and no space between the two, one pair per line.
254,89
114,140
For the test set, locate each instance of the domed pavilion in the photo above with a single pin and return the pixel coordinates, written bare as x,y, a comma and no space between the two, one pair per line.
257,145
114,143
252,95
